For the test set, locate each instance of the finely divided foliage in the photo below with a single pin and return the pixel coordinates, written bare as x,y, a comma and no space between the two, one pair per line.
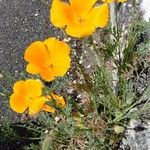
98,117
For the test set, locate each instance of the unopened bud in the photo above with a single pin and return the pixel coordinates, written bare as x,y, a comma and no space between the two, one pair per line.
118,129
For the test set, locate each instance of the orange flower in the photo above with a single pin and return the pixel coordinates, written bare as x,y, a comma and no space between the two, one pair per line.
109,1
49,59
60,102
59,99
80,17
28,95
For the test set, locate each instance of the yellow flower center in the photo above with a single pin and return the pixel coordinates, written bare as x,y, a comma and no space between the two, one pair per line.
81,20
51,66
30,99
78,19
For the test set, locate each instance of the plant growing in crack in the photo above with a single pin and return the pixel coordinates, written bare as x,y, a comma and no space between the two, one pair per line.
101,101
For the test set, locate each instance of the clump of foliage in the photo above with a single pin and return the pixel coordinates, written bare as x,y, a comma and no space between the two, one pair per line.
98,118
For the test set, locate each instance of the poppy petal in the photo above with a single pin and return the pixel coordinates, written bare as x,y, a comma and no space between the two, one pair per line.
108,1
99,15
36,105
34,87
80,30
61,13
37,54
60,58
82,7
48,74
59,99
33,69
51,43
18,102
61,65
19,87
48,108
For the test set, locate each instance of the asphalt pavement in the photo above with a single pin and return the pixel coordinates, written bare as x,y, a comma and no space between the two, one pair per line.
21,22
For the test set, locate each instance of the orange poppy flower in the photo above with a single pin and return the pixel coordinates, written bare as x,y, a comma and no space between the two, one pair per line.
109,1
49,59
80,17
28,95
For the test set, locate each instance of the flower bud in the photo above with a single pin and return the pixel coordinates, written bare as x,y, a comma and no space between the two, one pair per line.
118,129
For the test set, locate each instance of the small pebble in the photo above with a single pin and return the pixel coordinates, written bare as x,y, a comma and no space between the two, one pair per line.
70,91
89,66
92,48
94,41
57,119
79,96
46,131
80,62
85,52
67,39
74,81
36,14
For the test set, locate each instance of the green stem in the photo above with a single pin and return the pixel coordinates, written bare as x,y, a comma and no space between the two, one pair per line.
95,105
